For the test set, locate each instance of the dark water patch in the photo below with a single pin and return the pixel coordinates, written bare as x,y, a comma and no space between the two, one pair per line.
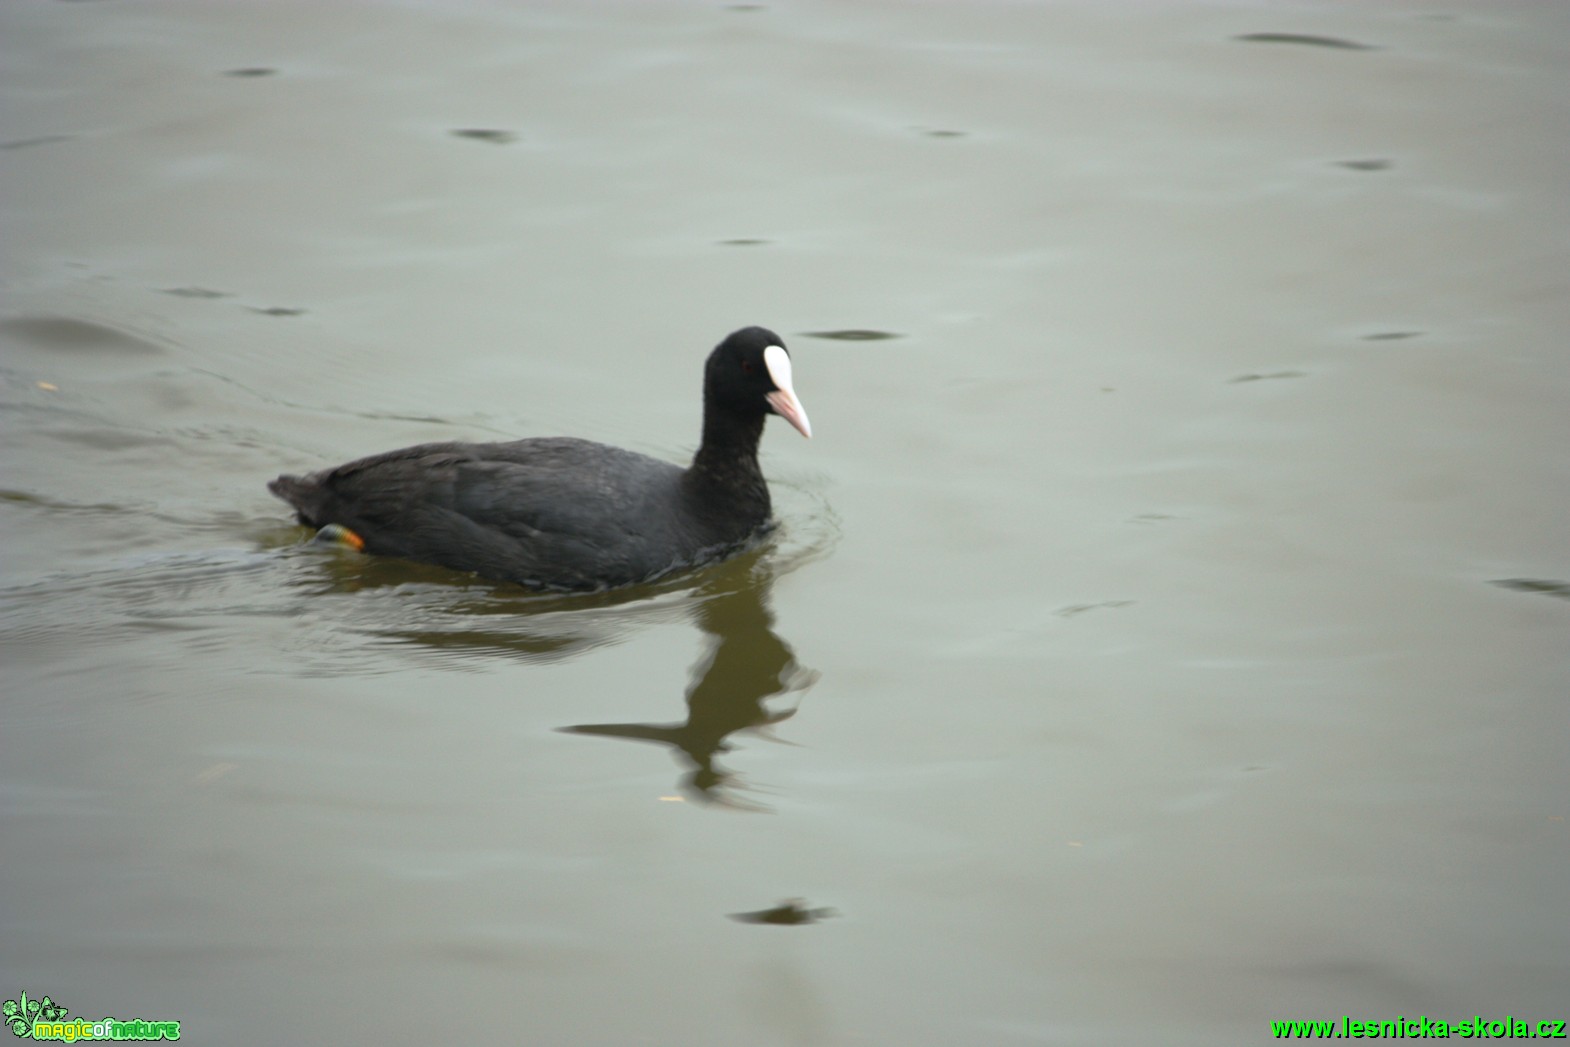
471,648
1267,376
1144,518
1306,40
75,336
28,143
276,310
790,913
1080,608
742,241
394,416
942,133
1391,336
1375,164
746,8
853,334
1541,586
195,292
251,72
113,439
486,134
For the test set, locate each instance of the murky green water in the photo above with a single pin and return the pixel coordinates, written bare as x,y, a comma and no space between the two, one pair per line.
1166,631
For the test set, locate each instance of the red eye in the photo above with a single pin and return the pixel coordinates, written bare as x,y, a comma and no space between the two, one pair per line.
746,365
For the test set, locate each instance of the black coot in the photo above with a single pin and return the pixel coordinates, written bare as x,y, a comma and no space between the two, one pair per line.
567,514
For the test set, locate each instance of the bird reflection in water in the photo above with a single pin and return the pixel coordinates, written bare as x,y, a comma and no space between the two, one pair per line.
745,665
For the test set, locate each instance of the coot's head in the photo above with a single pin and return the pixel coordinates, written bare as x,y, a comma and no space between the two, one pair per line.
749,374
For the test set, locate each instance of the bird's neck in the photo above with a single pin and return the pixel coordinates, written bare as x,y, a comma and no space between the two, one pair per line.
727,459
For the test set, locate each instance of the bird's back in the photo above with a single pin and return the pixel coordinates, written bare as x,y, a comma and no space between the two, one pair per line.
554,513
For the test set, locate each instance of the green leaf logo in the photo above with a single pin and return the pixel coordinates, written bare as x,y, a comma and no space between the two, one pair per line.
21,1015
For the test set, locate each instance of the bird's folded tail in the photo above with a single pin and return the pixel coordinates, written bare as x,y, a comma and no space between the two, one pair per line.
303,493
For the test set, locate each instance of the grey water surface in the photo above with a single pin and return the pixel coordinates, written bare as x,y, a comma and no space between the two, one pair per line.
1166,628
